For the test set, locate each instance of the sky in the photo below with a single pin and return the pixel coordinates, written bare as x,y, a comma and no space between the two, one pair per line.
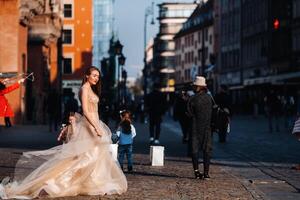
129,25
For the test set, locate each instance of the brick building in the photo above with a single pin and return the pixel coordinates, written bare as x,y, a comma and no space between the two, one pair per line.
194,46
30,44
77,43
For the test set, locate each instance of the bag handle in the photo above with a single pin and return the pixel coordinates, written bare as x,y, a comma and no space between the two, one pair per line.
212,98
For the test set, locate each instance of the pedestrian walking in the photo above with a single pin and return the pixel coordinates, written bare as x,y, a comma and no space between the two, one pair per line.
180,114
104,110
273,108
222,99
200,110
5,109
289,111
53,105
156,108
126,132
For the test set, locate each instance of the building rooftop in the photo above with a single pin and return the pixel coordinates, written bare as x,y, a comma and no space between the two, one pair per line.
201,17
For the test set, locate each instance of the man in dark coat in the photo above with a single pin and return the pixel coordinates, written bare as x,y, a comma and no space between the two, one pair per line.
200,109
156,107
223,100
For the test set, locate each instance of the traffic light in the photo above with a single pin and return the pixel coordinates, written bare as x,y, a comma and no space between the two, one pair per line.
276,24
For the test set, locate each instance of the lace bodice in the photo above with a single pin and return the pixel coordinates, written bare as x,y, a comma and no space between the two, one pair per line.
93,99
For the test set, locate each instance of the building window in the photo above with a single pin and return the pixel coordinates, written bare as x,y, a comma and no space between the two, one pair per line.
67,36
67,66
68,10
199,37
205,53
206,34
199,54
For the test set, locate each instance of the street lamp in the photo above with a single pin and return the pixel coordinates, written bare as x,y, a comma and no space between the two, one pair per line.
118,47
120,61
148,12
124,77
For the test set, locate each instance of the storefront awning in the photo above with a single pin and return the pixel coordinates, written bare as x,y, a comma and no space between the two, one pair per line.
257,81
277,79
286,76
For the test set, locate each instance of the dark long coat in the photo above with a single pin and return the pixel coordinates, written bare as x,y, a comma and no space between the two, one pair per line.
200,109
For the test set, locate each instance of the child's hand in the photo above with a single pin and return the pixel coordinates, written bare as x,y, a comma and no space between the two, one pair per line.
72,119
62,134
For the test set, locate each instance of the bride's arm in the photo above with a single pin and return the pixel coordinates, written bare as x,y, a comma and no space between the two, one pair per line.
86,113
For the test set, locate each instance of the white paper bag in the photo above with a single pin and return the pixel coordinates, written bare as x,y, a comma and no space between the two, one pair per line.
114,151
157,155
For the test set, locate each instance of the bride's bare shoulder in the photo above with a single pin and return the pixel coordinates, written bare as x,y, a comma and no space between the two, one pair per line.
85,86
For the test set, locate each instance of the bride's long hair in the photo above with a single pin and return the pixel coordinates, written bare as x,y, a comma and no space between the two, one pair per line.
96,88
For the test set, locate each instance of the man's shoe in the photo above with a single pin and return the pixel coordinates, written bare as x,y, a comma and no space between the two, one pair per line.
198,175
130,169
206,176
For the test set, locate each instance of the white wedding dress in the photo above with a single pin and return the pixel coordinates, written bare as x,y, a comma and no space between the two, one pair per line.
82,166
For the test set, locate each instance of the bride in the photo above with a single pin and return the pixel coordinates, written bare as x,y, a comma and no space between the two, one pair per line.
81,166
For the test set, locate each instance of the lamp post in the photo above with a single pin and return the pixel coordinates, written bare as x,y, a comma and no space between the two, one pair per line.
148,12
124,77
120,61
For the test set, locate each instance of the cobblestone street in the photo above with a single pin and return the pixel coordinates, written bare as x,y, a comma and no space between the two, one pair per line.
173,181
237,171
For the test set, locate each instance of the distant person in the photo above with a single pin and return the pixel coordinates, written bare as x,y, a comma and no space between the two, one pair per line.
200,110
104,110
156,108
53,105
273,108
222,99
126,132
180,114
290,111
5,109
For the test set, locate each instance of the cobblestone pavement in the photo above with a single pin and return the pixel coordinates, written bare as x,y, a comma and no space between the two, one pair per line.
173,181
254,164
254,155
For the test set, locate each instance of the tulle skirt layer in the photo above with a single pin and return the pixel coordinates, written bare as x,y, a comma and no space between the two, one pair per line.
83,165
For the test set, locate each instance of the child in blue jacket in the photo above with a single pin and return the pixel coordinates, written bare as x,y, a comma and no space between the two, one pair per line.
126,133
